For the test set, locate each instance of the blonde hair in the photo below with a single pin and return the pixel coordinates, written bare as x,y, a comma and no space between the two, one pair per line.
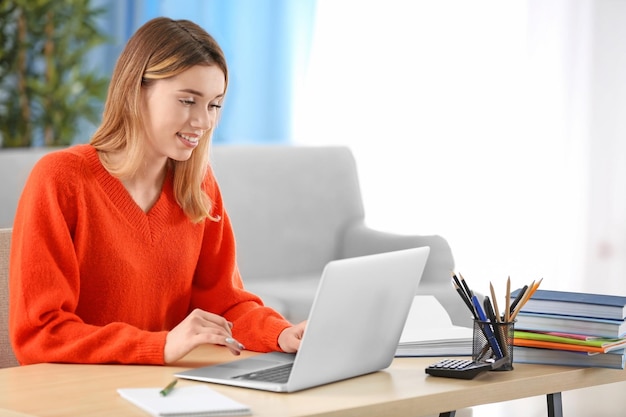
161,48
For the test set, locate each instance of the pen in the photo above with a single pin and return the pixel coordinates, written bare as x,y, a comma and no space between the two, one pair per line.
491,315
168,388
487,328
494,324
522,302
519,298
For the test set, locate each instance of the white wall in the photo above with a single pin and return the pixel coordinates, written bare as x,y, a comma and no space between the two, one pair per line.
478,121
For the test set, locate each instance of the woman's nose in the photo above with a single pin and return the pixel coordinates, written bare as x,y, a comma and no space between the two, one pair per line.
202,120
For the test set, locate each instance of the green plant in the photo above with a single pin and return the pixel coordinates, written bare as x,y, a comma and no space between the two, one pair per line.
46,91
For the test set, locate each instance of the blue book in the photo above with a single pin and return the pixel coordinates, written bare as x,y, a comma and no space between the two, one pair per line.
578,304
588,326
613,359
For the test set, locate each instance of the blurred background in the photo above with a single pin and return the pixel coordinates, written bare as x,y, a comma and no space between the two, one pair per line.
498,125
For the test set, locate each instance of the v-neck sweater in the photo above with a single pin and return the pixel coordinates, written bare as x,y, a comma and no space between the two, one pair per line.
95,279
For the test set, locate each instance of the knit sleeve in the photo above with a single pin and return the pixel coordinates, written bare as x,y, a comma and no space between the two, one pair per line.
45,278
218,286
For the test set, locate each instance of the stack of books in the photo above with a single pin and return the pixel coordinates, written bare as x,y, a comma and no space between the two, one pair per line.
572,329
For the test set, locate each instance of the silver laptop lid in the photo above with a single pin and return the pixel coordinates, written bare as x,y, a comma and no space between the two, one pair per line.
353,329
357,317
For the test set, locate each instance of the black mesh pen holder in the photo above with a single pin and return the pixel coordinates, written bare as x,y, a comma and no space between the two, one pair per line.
493,342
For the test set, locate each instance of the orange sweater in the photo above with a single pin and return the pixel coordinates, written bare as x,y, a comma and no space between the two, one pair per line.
94,279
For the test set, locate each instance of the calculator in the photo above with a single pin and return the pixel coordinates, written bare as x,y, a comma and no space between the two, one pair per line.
458,368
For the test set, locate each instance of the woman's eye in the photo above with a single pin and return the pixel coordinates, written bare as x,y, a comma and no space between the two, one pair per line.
187,101
215,106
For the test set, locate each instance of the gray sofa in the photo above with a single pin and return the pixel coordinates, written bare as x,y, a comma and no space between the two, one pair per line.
293,209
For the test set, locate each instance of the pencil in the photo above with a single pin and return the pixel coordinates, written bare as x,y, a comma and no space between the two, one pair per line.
495,302
464,297
507,313
469,292
168,388
534,287
456,280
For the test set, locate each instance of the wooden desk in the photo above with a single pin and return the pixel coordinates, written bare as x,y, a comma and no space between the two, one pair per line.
401,390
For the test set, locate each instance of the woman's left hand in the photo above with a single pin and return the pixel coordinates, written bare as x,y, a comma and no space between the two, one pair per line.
289,339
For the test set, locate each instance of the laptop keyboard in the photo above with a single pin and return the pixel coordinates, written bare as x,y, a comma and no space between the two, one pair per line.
277,374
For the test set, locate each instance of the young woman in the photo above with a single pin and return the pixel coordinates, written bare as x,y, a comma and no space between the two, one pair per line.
121,249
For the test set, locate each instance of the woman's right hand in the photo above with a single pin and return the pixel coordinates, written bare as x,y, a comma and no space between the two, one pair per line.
198,328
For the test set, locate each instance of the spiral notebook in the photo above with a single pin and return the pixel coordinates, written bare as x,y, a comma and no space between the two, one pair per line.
195,400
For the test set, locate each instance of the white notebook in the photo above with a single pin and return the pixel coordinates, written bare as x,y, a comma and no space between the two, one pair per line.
195,400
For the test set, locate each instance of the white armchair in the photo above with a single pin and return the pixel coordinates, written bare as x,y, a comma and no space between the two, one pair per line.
295,208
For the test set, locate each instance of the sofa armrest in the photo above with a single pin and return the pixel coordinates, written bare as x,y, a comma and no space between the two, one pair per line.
361,240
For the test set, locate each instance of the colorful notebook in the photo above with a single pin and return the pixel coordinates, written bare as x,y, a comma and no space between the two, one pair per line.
562,342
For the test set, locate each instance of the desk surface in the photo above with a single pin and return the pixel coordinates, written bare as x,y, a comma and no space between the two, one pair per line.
90,390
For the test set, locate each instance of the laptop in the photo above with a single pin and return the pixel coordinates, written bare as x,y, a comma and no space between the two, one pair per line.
353,329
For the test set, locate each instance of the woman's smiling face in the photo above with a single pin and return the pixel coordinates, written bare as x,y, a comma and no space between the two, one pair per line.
178,111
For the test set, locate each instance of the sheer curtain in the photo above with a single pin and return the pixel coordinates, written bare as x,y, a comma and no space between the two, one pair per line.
606,247
266,43
495,124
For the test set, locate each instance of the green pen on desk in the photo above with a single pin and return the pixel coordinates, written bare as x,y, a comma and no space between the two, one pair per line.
168,388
